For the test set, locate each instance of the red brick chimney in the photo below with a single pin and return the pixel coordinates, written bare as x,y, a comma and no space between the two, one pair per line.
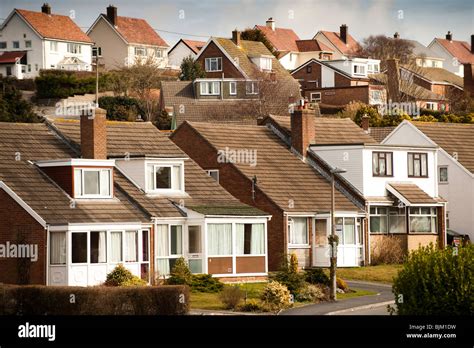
302,128
393,79
94,135
469,79
449,36
46,8
236,37
112,14
365,123
344,33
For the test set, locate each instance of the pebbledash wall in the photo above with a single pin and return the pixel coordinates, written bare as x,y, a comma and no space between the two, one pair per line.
19,227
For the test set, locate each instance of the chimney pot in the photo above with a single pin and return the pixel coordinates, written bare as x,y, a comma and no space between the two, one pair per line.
365,123
449,36
344,33
270,23
112,14
94,134
302,128
396,35
46,8
236,37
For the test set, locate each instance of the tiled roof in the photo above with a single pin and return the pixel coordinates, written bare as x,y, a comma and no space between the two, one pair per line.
292,184
439,75
11,57
420,50
312,45
54,26
138,31
459,49
33,142
380,133
204,192
350,48
453,138
330,130
282,39
413,194
195,46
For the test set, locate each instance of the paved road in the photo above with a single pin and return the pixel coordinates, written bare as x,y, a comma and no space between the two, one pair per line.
380,310
384,295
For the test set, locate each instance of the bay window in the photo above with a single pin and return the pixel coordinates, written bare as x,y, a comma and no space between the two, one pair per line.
298,231
92,183
423,220
250,239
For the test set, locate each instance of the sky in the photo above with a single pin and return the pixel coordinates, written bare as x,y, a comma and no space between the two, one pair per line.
420,20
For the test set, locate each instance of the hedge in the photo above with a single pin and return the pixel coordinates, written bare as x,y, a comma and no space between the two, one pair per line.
98,300
121,108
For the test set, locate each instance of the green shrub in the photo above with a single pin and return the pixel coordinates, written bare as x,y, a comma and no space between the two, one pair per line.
288,274
13,108
252,305
310,293
231,296
316,276
98,300
118,276
206,283
135,281
341,284
180,274
121,108
436,282
276,296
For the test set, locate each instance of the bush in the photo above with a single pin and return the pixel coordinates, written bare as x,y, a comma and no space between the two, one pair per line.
276,296
13,108
436,282
121,108
387,250
311,293
252,305
289,275
341,284
180,274
118,276
206,283
98,300
135,281
231,296
316,276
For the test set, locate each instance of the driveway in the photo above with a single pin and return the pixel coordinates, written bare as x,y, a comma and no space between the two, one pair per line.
363,305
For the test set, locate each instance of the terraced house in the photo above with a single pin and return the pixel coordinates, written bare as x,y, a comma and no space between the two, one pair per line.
93,194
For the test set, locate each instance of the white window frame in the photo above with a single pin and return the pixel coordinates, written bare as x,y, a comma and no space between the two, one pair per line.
233,86
439,175
291,229
379,93
87,196
313,99
250,255
74,48
158,53
208,62
170,256
172,165
53,46
203,86
137,50
266,64
356,70
431,106
379,215
253,89
431,215
210,171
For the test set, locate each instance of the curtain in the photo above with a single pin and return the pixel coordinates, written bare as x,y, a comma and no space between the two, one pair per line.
257,243
115,246
149,178
131,246
300,231
240,239
176,178
58,248
219,239
176,240
102,247
161,242
105,182
163,266
349,231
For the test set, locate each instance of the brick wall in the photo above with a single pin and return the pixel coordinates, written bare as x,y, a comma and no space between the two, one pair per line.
239,186
341,96
228,67
304,77
94,135
20,227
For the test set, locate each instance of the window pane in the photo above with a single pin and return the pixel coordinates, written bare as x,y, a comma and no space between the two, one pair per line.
98,247
145,246
410,164
424,165
57,242
177,177
420,224
163,177
195,266
389,163
131,246
349,231
194,239
91,182
176,240
79,247
77,183
443,174
299,233
339,229
105,182
397,223
375,164
115,246
162,241
149,177
219,239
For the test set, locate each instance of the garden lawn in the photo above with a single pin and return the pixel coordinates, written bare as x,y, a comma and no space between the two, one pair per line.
379,273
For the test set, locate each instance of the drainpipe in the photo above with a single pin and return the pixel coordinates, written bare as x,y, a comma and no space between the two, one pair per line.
46,253
367,228
254,184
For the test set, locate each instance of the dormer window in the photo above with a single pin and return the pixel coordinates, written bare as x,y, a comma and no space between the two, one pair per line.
92,183
164,177
266,64
359,69
213,64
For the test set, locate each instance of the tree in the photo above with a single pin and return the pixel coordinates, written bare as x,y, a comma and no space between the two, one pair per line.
383,48
191,70
258,35
12,107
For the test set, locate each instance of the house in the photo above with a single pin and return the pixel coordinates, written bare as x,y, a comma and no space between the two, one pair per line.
423,56
290,49
243,81
342,44
93,194
455,52
397,182
454,166
124,40
182,49
31,41
338,82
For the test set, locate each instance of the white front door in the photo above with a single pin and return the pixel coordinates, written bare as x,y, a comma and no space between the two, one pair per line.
321,247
